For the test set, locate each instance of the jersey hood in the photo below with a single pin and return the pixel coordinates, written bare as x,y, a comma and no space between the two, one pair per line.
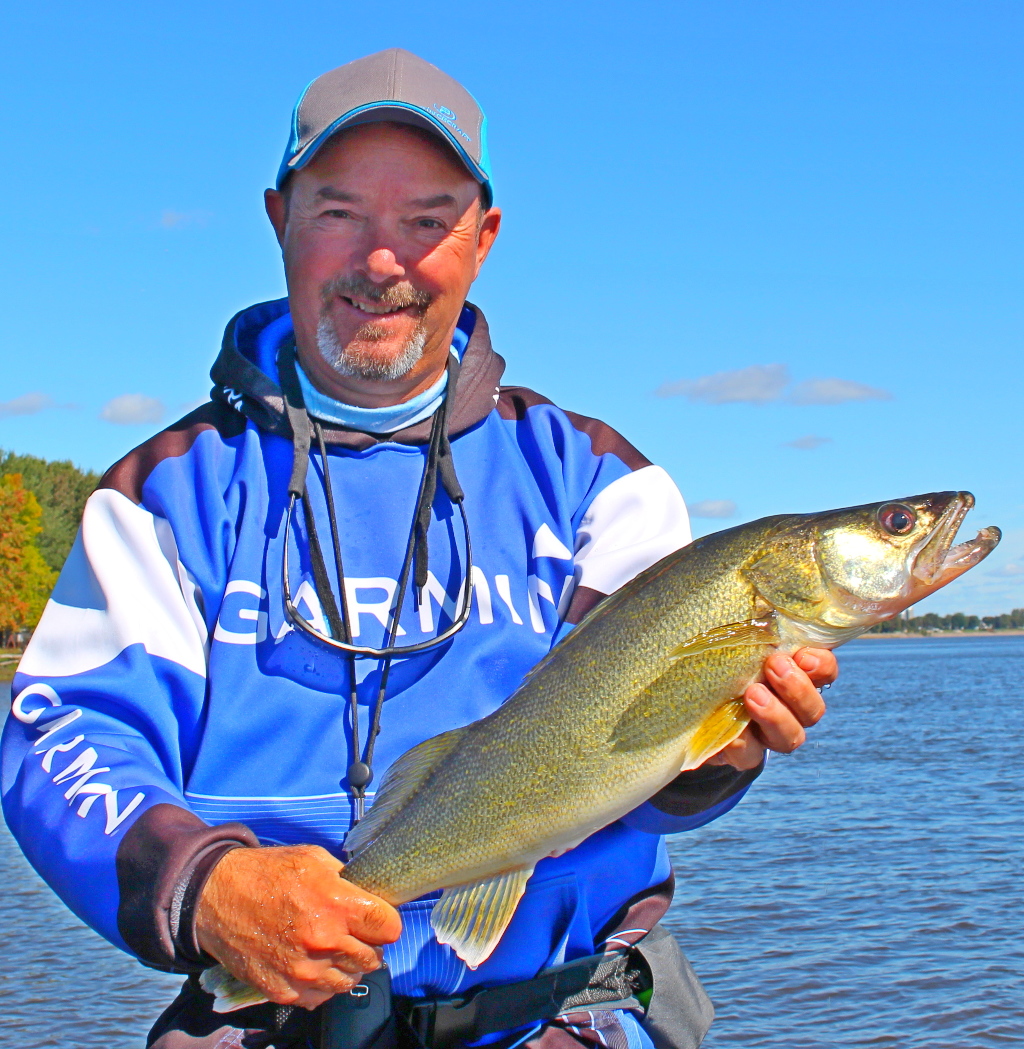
245,376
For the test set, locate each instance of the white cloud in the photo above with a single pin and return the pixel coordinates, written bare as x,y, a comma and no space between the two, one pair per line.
834,391
31,404
1014,568
713,508
26,404
758,384
132,408
765,384
808,443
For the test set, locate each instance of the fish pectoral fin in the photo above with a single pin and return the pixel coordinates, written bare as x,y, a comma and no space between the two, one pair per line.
402,780
228,991
726,722
717,730
472,918
750,632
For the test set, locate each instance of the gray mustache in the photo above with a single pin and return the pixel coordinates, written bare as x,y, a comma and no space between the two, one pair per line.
396,296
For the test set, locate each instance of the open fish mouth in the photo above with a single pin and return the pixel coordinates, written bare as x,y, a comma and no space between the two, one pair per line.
938,561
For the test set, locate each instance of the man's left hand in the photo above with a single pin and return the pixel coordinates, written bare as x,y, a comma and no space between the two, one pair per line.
782,708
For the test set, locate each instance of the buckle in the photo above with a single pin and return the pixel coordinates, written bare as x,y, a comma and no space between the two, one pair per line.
442,1022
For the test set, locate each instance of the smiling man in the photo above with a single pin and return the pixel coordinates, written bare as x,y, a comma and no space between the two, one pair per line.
363,540
377,275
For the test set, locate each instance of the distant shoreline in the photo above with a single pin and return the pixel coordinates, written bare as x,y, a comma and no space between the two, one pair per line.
924,636
7,669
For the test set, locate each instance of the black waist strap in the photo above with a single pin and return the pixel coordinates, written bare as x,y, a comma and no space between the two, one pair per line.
607,980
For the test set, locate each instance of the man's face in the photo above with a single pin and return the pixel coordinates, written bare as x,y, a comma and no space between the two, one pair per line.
382,236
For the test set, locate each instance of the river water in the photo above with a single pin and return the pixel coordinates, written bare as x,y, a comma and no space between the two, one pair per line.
866,893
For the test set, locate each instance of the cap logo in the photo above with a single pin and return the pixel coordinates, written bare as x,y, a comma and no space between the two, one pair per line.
445,114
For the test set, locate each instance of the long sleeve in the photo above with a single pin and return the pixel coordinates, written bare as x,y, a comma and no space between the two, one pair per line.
107,712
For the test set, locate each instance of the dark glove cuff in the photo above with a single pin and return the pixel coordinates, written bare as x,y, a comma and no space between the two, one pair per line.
698,790
182,913
163,862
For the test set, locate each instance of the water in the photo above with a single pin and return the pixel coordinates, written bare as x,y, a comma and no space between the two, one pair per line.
867,890
62,985
865,893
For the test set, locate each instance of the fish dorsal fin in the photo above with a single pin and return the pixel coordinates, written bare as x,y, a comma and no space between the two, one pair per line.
750,632
472,918
402,780
717,730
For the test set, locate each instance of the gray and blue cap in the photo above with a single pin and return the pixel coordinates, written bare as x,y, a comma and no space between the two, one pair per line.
389,85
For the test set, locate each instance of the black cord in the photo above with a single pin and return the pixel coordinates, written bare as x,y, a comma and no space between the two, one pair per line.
438,463
346,620
417,542
335,538
360,771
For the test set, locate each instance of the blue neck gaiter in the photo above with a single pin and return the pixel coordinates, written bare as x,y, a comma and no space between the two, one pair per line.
391,417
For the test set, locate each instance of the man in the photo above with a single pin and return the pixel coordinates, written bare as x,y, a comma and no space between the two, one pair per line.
230,659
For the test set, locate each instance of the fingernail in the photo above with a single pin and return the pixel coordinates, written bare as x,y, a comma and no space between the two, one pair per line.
782,666
758,696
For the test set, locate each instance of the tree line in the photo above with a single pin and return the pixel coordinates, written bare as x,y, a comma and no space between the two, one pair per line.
40,507
957,621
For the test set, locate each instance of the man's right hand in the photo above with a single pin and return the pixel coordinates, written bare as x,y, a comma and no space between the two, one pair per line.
285,922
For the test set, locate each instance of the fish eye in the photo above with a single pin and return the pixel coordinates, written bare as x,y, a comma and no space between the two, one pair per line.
897,519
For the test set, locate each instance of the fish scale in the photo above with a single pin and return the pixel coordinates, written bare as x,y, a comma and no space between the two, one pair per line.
536,751
646,686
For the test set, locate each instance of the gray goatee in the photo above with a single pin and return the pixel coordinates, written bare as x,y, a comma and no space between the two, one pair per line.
363,360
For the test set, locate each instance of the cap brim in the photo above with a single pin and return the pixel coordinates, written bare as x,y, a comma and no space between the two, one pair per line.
399,112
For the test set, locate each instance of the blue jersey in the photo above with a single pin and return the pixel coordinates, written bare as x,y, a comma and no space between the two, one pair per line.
166,709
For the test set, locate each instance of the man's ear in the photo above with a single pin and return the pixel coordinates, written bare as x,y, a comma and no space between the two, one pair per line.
488,230
277,212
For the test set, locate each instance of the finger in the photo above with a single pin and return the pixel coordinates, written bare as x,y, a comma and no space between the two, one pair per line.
794,688
312,986
311,997
744,752
334,981
819,664
351,956
776,723
371,919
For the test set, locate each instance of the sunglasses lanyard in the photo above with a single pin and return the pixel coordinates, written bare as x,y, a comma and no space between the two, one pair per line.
439,464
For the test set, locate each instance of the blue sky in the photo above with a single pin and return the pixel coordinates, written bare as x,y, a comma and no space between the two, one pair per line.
779,246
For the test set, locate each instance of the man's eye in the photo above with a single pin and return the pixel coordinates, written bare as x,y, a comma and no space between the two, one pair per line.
430,224
338,213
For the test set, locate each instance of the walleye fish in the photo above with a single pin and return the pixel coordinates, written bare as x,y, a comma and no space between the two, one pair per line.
647,686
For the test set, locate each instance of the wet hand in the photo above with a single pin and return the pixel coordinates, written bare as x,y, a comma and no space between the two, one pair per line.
782,708
285,922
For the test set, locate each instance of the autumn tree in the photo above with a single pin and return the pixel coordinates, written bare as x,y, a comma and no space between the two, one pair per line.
62,489
25,578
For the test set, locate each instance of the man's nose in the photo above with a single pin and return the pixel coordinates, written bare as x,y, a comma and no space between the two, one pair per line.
381,266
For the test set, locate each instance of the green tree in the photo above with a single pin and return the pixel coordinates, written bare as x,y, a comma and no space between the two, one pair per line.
61,488
25,578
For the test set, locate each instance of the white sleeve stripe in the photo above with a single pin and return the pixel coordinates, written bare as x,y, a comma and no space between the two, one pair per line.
190,591
122,585
632,524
